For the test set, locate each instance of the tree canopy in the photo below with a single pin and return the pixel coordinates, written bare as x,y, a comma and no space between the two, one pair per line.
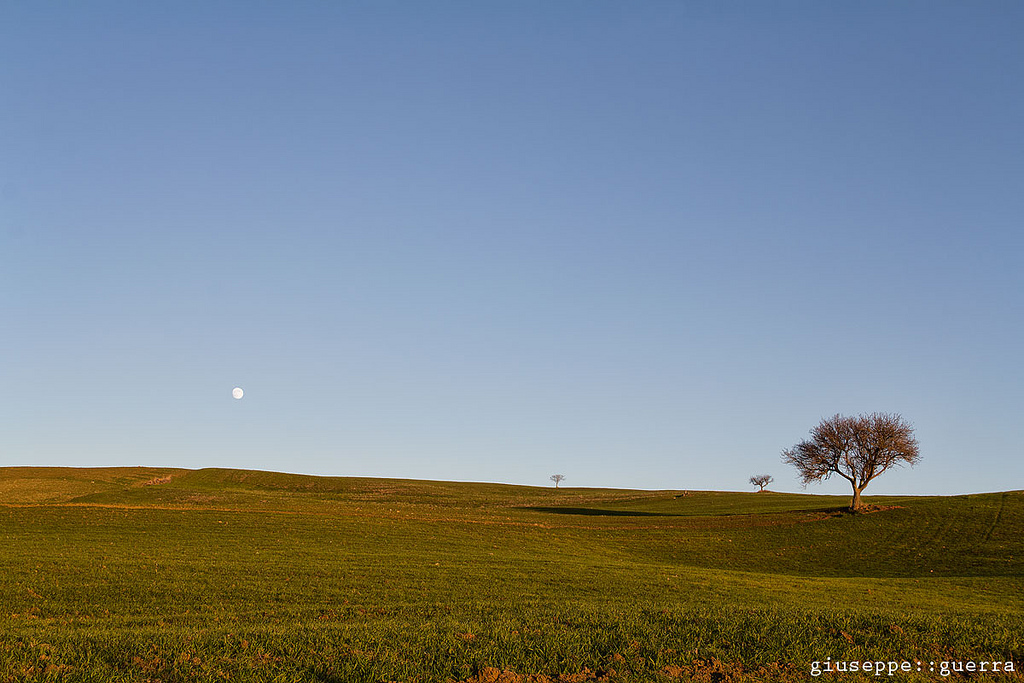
858,449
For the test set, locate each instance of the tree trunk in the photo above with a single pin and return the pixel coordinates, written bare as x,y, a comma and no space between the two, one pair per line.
855,504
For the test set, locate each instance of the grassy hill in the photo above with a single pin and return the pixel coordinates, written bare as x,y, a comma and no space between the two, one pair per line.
160,574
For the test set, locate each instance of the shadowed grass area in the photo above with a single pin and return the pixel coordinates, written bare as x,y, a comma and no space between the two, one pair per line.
134,574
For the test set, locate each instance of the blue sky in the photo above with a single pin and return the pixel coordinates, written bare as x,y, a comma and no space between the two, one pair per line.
643,245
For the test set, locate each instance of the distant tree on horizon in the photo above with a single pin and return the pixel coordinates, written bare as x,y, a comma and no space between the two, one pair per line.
761,480
858,449
557,478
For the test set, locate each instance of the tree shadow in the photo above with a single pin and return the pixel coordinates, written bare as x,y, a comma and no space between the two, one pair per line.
595,512
830,512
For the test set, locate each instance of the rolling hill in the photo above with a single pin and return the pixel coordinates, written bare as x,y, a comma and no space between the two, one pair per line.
145,574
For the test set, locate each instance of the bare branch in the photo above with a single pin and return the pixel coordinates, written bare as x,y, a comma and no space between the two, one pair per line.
858,449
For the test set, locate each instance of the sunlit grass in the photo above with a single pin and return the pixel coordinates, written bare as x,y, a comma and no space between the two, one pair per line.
249,576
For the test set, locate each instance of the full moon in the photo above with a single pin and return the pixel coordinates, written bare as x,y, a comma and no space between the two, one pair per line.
237,392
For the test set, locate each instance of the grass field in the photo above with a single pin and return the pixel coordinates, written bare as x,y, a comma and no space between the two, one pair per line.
140,574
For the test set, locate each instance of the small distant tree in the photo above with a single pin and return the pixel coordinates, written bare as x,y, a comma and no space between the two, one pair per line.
761,480
858,449
557,478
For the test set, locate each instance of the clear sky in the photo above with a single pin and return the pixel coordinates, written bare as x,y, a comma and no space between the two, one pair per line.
639,244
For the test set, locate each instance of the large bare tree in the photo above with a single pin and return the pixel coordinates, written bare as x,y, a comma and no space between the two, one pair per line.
557,478
761,480
858,449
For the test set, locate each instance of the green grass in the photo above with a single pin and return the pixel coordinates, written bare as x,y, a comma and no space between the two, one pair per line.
137,574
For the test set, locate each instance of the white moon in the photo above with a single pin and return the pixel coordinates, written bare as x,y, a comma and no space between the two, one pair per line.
237,392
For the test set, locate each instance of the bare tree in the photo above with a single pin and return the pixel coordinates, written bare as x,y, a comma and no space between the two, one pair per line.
557,478
761,480
858,449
